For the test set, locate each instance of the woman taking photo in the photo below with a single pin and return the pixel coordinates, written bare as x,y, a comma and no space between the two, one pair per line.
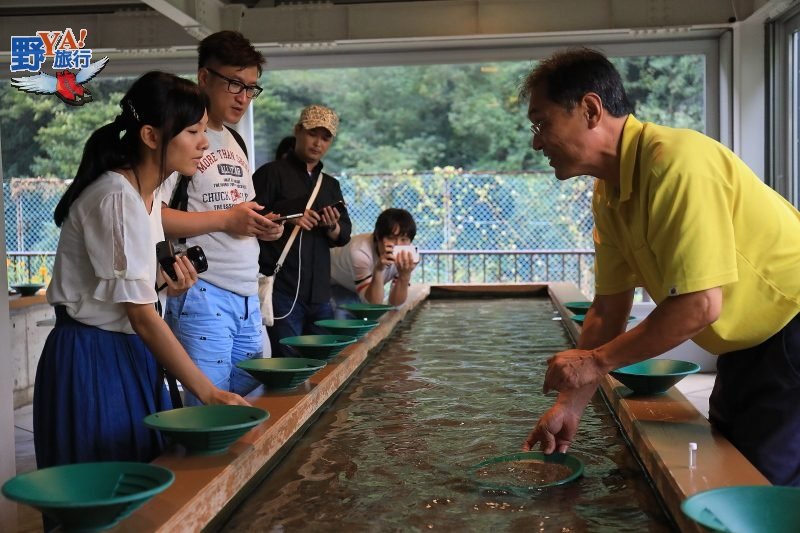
99,374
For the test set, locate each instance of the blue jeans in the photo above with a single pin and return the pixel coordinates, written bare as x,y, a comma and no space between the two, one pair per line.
299,322
340,296
218,328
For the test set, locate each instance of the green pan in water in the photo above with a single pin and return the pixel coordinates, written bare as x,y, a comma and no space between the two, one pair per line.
750,509
367,311
27,289
88,496
206,429
509,473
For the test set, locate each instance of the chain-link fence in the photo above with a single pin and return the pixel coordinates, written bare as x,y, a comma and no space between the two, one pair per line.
31,234
472,227
486,227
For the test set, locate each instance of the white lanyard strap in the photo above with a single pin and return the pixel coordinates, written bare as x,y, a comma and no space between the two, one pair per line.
297,228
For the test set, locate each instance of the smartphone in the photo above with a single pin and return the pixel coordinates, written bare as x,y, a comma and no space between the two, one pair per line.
337,205
410,248
287,217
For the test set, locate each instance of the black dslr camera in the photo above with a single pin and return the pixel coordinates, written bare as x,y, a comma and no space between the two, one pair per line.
166,258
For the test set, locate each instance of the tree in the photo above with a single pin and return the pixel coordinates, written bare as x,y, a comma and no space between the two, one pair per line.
65,136
450,143
667,90
393,118
406,117
21,117
44,137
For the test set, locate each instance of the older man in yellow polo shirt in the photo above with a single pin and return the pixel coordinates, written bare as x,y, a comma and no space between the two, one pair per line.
681,215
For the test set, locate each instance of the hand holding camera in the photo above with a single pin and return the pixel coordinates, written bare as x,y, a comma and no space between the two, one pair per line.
189,263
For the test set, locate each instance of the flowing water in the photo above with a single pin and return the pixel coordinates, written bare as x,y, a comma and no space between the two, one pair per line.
458,382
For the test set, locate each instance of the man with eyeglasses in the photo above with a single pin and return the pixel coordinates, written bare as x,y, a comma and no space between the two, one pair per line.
218,320
681,215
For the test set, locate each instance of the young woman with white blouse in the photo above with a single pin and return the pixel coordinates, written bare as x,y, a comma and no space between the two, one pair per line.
100,370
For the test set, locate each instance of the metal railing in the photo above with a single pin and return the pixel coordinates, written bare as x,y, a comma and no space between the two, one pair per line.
436,266
504,266
29,266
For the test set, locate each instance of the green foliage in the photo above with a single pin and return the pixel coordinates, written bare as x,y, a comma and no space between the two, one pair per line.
42,136
392,118
66,134
21,117
468,116
405,117
666,89
29,269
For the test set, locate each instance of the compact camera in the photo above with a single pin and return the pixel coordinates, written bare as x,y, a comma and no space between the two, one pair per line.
410,248
166,258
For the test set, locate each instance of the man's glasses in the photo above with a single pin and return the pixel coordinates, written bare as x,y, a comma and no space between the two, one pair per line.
537,126
236,87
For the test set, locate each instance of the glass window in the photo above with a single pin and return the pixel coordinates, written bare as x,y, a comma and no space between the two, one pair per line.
449,141
784,105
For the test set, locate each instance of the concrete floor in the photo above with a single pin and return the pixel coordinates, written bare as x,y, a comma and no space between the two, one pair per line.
28,519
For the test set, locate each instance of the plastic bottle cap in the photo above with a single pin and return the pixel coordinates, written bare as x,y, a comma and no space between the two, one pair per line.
692,445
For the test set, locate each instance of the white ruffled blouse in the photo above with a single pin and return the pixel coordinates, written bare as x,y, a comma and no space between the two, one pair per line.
106,255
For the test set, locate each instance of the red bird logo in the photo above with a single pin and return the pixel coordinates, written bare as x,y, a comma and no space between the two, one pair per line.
66,85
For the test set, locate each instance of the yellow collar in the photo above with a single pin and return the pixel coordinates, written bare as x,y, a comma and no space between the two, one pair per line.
629,144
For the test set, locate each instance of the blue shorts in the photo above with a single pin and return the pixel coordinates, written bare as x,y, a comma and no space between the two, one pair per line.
755,401
218,328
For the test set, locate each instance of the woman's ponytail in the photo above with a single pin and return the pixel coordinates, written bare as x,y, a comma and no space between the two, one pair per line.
157,99
114,145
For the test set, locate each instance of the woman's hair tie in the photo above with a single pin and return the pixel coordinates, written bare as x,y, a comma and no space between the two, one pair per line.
128,106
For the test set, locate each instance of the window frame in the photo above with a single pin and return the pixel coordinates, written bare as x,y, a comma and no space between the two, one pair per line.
783,105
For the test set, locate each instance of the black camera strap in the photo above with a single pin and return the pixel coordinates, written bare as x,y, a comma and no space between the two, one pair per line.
172,386
172,383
